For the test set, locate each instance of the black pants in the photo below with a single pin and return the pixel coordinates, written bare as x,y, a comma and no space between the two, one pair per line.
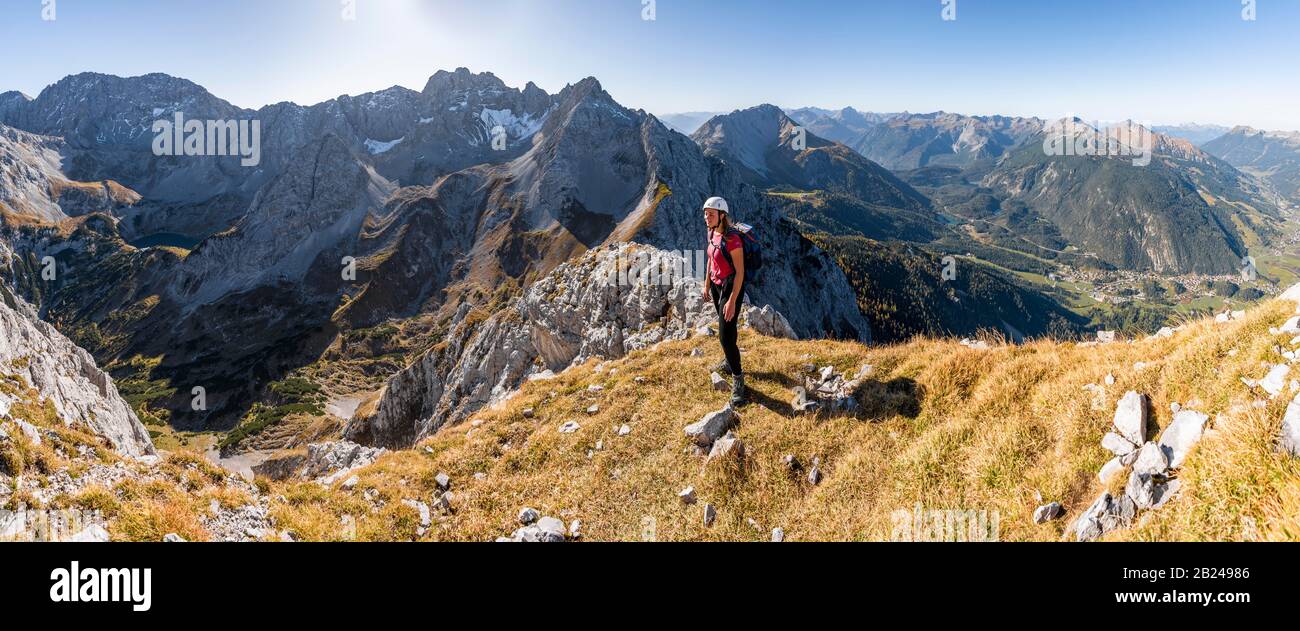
727,330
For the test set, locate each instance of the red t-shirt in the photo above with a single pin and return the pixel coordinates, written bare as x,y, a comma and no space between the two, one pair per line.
720,266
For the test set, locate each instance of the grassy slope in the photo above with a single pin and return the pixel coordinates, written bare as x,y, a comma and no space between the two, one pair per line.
944,425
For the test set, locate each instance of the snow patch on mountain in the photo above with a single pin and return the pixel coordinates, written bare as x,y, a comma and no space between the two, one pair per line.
376,147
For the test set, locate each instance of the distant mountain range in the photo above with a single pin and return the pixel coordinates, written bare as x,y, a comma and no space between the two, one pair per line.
1197,133
687,122
1272,156
769,150
843,125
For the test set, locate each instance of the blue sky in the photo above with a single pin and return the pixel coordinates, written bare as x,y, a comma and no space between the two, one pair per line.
1160,61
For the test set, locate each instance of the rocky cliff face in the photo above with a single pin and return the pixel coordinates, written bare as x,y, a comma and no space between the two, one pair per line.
67,377
317,205
33,185
587,308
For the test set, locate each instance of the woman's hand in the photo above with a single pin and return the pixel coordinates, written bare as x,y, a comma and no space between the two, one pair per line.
729,312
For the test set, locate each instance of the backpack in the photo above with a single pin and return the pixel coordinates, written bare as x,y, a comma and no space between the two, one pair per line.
752,249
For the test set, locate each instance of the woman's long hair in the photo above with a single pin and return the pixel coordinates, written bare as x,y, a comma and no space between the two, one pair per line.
724,226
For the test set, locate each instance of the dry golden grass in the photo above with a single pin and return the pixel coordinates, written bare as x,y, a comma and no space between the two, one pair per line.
943,426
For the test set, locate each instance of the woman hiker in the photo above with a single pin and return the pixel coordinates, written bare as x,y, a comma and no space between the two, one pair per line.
725,286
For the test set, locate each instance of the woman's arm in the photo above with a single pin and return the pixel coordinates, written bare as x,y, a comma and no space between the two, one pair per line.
708,240
738,264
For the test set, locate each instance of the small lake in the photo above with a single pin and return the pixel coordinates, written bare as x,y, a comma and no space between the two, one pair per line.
166,239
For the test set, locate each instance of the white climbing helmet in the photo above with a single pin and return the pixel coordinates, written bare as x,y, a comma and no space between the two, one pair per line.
716,203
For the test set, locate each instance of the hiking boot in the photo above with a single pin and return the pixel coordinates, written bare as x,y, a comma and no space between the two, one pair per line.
738,391
722,368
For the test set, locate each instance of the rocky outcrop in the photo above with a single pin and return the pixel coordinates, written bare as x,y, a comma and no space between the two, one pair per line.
767,321
67,377
583,310
1289,439
828,392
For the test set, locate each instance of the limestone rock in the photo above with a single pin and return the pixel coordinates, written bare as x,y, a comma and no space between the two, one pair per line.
1289,439
1151,460
726,448
687,495
767,321
328,462
1292,326
67,377
1117,444
1048,512
1131,417
1181,435
1109,470
712,427
1275,381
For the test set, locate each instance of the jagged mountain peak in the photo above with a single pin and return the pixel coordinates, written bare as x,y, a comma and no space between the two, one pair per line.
443,83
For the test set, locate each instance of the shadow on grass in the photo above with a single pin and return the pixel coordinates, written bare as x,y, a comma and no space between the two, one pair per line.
877,400
882,399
